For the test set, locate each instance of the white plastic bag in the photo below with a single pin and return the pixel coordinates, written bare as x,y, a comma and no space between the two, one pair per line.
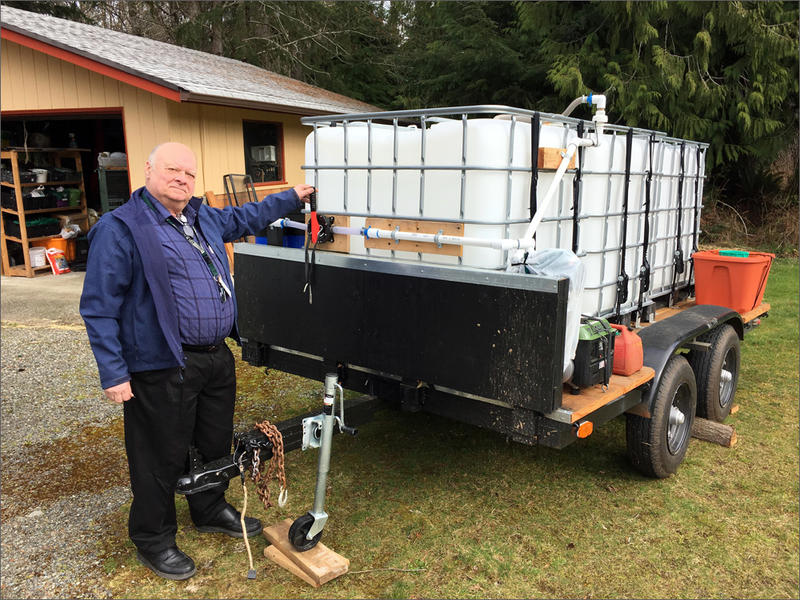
70,230
558,262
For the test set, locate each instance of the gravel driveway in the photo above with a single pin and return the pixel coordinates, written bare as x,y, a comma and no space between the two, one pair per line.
64,475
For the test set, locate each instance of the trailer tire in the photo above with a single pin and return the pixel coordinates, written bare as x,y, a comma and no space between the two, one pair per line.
657,445
717,373
299,530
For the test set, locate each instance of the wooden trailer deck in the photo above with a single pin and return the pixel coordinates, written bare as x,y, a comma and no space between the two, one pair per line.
593,398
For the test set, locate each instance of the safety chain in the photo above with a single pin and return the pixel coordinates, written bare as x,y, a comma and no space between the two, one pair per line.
276,466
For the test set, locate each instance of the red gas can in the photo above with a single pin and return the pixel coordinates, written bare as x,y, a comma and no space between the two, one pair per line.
627,351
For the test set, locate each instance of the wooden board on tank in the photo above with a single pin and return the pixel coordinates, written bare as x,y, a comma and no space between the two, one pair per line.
416,227
550,158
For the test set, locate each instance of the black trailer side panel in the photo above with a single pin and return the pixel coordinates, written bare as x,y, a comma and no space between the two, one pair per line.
494,335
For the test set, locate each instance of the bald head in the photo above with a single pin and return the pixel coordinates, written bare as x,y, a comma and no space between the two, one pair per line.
169,175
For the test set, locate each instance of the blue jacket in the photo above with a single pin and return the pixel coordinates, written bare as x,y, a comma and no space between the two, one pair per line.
127,303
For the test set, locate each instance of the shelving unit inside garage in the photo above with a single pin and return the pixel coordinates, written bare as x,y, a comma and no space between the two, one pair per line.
11,160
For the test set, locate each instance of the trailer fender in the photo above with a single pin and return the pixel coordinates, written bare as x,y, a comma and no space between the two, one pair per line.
663,339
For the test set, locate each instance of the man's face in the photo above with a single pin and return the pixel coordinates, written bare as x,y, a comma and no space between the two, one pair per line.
170,177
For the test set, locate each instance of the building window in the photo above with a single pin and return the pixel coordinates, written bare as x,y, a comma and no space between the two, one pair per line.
263,151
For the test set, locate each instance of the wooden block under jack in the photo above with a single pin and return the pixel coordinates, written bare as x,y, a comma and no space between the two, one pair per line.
276,556
320,564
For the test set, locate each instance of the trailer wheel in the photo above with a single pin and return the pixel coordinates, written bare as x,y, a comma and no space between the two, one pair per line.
656,446
717,373
299,530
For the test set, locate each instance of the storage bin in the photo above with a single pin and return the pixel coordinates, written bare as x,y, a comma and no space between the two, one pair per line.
7,175
74,196
37,256
62,174
41,175
66,246
736,282
35,227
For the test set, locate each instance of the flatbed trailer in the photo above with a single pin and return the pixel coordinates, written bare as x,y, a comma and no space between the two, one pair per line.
483,348
427,300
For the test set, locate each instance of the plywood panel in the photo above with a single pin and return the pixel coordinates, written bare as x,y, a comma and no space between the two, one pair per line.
96,89
416,227
43,97
8,89
28,79
69,83
111,90
592,398
56,81
84,94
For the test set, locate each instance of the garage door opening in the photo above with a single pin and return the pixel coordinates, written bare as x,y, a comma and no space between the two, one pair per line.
106,185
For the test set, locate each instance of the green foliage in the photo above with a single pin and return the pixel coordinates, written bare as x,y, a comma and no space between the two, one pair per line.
721,72
725,72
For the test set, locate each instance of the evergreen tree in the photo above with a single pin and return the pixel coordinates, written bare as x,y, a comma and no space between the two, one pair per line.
723,72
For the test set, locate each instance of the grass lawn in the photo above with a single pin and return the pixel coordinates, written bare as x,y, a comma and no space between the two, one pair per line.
425,507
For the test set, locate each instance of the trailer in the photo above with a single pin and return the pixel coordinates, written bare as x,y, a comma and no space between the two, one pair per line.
480,263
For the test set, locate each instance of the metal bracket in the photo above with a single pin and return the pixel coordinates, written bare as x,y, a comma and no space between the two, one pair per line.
312,432
698,346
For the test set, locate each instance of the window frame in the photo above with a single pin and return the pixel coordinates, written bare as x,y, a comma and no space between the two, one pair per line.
280,154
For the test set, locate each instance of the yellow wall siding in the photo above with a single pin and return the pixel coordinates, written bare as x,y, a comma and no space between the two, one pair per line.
33,81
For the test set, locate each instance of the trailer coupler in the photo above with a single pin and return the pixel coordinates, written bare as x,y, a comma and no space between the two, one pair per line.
202,477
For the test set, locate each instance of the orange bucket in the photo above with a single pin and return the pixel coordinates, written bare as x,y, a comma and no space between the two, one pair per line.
66,246
736,281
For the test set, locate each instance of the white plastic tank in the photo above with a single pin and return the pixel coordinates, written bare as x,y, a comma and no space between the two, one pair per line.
486,193
362,190
475,185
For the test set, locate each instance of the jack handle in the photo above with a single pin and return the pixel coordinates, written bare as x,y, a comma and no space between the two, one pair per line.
340,418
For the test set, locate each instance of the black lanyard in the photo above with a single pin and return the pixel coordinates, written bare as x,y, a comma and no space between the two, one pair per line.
224,291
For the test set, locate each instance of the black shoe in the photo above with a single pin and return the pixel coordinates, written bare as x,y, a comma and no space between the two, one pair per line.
228,520
170,563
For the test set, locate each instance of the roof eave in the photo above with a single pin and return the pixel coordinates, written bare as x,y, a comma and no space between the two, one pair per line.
91,62
268,106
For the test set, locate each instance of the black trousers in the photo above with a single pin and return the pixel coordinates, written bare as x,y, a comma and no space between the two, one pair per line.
171,410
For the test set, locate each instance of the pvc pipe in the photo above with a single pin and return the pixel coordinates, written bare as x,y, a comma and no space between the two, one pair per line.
374,233
439,238
573,105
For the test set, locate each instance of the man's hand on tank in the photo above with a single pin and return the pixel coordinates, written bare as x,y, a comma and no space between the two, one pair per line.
304,191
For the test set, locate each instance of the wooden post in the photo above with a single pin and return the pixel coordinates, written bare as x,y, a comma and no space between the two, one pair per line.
711,431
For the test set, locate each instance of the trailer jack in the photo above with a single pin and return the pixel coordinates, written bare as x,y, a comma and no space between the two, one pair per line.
306,530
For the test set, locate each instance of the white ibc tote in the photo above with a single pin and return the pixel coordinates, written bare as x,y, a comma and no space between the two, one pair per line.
474,166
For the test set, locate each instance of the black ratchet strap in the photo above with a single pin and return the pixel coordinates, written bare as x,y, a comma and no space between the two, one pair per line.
576,194
535,128
644,270
319,231
677,257
697,202
622,278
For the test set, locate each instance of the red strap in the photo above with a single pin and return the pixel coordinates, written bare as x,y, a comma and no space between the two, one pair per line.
314,227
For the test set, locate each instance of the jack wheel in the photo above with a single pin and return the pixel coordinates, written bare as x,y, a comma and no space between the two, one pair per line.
299,530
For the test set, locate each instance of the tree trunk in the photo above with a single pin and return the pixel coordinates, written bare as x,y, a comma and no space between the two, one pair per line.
711,431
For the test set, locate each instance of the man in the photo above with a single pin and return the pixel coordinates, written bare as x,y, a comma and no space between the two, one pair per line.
158,302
